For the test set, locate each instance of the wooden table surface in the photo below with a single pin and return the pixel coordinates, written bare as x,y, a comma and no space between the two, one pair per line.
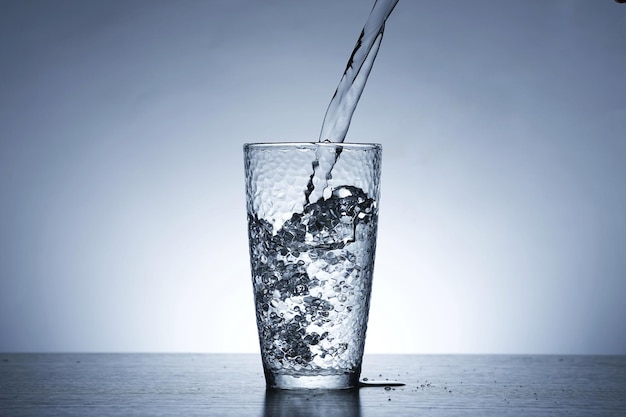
233,385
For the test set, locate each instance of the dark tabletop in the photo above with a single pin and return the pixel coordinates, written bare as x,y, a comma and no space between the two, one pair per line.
233,385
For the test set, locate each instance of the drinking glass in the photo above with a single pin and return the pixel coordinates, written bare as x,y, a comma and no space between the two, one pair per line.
312,222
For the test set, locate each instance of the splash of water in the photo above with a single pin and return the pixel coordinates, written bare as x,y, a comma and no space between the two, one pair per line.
346,97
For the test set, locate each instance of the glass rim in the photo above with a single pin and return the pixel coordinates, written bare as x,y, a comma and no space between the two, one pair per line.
308,145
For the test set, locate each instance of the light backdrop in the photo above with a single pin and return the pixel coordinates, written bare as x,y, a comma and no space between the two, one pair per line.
503,212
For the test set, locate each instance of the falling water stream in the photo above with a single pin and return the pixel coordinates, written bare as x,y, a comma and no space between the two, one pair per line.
346,97
342,105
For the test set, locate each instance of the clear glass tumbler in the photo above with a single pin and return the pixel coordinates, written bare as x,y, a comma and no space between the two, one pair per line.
312,221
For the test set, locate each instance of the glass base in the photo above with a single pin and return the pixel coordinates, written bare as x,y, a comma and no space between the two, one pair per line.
341,381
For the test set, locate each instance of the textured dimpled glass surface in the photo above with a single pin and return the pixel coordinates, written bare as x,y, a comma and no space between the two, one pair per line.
312,245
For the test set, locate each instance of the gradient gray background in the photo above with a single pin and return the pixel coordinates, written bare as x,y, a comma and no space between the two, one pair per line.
503,213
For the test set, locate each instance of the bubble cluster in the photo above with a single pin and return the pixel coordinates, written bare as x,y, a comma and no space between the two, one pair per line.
312,281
